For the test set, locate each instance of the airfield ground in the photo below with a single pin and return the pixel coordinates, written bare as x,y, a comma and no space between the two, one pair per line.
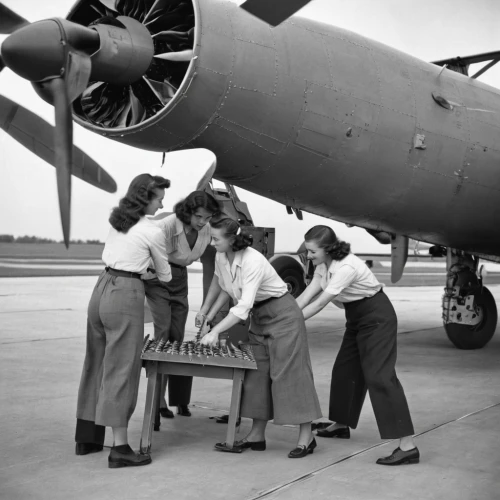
453,396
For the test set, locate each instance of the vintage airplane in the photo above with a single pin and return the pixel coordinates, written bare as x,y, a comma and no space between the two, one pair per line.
313,116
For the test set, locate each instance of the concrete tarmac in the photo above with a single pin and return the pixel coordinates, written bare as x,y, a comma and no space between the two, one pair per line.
453,397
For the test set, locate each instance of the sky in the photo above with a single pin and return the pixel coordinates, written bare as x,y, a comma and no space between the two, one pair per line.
428,29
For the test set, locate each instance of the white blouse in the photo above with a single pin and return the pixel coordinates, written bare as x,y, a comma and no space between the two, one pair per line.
132,251
348,279
177,245
249,280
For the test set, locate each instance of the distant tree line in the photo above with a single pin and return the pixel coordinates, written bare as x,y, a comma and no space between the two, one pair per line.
8,238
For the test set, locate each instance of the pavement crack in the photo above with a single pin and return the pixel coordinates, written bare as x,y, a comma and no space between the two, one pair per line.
309,475
35,310
40,340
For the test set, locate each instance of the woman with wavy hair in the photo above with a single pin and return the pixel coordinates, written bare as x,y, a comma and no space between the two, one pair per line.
367,357
115,323
187,235
282,387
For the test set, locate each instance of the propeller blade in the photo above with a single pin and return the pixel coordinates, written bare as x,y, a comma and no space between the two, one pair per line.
183,55
77,79
63,145
273,12
10,21
37,135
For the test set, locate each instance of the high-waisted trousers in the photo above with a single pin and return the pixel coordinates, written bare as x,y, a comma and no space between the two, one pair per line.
366,361
282,387
111,371
169,308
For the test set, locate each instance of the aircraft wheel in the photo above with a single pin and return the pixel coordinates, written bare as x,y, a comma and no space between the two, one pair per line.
294,281
291,272
477,336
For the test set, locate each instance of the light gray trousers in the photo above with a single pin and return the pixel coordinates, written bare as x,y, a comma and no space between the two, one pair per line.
112,366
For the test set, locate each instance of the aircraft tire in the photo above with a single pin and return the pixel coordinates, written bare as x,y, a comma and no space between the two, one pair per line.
290,271
476,337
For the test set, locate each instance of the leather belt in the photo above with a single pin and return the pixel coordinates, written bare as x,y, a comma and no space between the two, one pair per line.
123,274
151,270
177,266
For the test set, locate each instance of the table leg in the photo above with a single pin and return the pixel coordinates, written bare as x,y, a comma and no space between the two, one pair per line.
147,425
234,410
158,402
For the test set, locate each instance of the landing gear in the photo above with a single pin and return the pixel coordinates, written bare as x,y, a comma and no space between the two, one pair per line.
469,309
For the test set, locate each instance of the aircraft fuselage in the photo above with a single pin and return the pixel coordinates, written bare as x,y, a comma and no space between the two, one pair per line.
332,123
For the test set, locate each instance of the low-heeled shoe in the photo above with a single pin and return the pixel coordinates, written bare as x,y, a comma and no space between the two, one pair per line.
86,448
116,459
316,426
166,413
226,448
224,419
400,457
302,451
340,433
183,411
253,445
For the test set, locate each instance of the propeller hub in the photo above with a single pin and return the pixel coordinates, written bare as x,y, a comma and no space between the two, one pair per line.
37,51
125,53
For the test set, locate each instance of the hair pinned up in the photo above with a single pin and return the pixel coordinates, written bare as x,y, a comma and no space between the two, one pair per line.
133,205
230,227
326,238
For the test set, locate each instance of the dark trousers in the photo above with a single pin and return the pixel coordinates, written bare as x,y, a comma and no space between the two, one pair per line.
366,361
169,308
88,432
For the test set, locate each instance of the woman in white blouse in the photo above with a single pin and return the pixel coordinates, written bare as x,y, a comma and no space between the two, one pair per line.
115,326
282,387
367,356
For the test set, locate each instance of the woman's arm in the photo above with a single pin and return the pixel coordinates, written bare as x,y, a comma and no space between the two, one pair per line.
316,306
218,305
212,337
313,289
158,253
213,292
228,322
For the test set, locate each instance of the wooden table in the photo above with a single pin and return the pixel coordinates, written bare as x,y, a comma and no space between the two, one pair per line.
160,363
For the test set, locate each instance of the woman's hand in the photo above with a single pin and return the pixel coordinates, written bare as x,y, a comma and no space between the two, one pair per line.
204,330
199,320
210,339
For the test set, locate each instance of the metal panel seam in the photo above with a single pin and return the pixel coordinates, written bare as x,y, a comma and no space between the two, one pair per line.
251,130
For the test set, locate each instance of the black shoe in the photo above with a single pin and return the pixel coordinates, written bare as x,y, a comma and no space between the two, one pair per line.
341,433
183,410
400,457
316,426
124,456
166,413
253,445
224,419
226,448
86,448
302,451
